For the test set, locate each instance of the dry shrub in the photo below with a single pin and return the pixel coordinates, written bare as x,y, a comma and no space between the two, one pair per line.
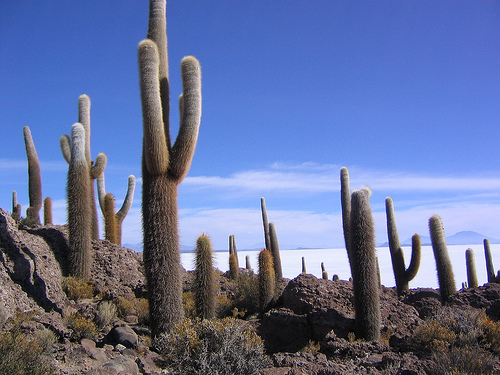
141,307
77,289
83,328
21,354
491,338
225,346
247,293
311,348
463,361
124,306
188,304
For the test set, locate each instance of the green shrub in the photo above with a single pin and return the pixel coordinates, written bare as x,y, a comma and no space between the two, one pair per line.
225,346
106,312
77,289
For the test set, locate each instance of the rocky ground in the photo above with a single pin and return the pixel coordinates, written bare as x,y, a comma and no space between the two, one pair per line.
308,331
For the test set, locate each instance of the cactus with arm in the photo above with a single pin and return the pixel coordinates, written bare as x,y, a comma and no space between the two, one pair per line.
95,168
164,166
401,274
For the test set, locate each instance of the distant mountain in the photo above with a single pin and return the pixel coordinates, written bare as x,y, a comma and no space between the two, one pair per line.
460,238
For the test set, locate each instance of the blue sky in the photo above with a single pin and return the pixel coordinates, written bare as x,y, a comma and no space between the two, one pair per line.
405,94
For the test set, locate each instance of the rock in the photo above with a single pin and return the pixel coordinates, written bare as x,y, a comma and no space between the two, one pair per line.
124,335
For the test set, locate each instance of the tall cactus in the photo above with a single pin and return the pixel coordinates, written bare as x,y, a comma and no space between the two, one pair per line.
34,179
304,270
401,274
113,229
446,278
16,207
95,168
275,251
47,211
79,210
490,269
345,200
204,279
267,279
234,267
267,238
164,166
364,266
470,262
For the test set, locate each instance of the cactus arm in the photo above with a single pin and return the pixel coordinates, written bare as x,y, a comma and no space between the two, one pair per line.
265,222
156,154
101,191
127,202
185,143
47,211
100,164
65,144
275,251
416,254
34,175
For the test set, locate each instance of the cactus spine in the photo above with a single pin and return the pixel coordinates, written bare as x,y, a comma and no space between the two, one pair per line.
364,266
275,251
113,232
204,279
267,237
16,207
47,211
164,166
267,279
34,178
446,279
95,168
79,210
490,270
401,274
470,262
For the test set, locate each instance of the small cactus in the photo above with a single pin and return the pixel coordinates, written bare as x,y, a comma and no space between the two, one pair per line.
113,232
446,278
267,279
204,289
402,275
47,211
247,263
364,266
16,207
34,179
490,269
304,271
471,268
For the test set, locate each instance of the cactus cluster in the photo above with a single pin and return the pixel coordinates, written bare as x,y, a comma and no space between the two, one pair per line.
271,240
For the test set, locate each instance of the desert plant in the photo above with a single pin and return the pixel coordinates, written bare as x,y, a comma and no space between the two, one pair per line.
267,279
204,279
446,279
275,251
345,200
94,168
16,207
76,288
490,269
364,267
24,355
234,270
471,269
113,220
164,166
79,209
402,275
34,178
304,270
47,211
247,263
207,347
83,328
106,312
267,237
324,274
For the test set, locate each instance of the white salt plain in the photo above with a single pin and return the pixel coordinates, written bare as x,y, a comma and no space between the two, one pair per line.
336,262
